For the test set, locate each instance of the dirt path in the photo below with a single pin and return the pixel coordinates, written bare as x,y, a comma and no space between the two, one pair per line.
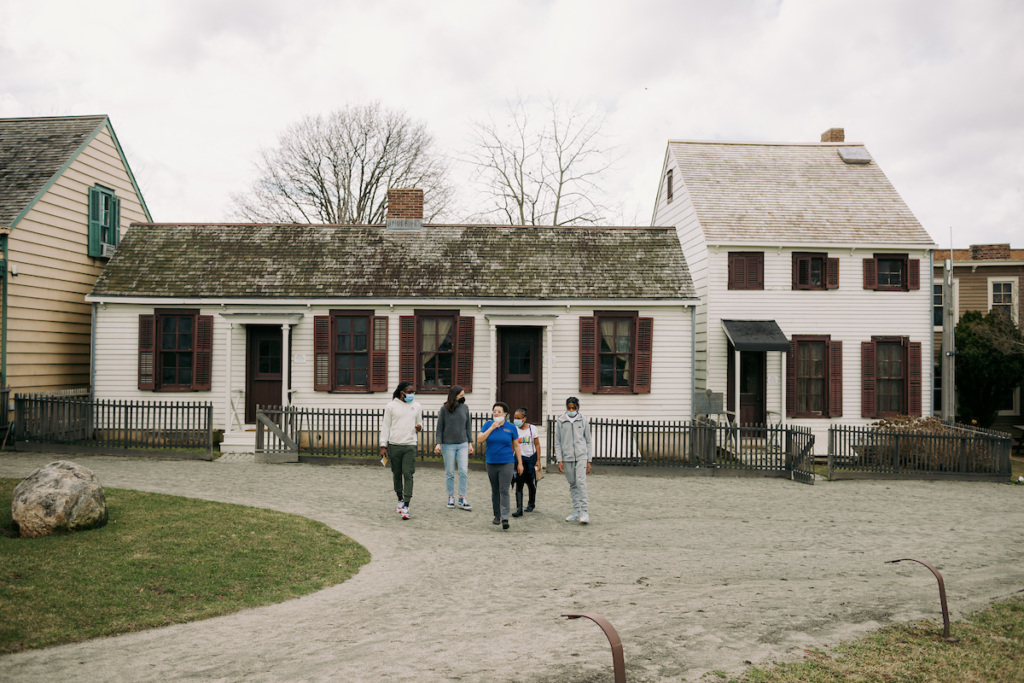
697,574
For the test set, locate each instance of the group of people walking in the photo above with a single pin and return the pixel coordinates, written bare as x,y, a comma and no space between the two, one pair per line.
512,452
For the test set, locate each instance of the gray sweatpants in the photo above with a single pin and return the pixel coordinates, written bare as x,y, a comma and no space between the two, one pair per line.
576,475
501,480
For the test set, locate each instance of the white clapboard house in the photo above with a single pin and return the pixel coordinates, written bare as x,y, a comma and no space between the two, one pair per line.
807,265
334,316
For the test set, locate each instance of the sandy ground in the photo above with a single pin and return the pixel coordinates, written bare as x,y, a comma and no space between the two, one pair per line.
696,574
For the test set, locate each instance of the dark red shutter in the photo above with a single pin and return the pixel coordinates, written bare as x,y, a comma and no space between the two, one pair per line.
644,355
867,378
755,271
832,273
870,273
378,353
801,272
914,274
203,378
737,274
588,354
147,348
322,353
914,379
464,347
835,378
407,349
791,379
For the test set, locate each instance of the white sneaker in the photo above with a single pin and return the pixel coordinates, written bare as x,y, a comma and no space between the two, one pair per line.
584,518
451,501
405,513
574,517
464,504
401,505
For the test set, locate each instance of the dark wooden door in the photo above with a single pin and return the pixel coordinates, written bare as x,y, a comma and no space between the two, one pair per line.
263,369
519,370
753,379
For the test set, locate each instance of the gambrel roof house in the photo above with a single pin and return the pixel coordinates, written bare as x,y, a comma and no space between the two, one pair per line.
337,315
66,192
807,264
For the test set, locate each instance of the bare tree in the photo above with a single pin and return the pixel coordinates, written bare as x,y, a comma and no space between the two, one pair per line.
337,169
542,168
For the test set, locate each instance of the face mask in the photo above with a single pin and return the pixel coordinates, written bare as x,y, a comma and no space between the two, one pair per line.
519,423
409,398
462,400
499,420
571,413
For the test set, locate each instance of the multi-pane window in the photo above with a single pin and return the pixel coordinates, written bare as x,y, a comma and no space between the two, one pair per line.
937,304
811,377
892,273
615,350
518,358
351,351
437,351
104,221
1002,298
889,378
269,357
815,271
177,335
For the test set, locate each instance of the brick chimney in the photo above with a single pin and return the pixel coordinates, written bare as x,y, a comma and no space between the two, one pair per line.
834,135
405,209
990,252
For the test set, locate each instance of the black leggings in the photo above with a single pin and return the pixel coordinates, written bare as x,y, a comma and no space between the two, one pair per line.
528,477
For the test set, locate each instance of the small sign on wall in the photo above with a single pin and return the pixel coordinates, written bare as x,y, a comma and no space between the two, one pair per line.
773,380
298,359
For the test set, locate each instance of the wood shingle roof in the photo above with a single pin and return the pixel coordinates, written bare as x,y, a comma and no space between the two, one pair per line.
32,152
369,261
791,193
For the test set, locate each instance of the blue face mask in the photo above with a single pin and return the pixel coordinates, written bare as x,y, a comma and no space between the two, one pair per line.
409,398
519,423
571,413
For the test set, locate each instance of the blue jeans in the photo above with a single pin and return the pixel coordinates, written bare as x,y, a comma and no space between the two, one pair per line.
452,452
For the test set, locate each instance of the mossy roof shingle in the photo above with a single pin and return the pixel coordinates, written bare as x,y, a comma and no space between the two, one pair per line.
32,151
440,261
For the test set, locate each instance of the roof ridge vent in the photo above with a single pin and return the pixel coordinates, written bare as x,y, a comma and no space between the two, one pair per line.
854,155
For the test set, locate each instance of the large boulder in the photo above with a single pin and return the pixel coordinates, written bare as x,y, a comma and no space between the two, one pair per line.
59,497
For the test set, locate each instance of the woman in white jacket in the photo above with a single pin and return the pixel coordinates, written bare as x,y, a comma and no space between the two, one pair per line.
403,418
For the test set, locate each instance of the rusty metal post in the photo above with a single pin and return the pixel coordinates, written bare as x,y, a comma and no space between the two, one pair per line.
618,661
942,595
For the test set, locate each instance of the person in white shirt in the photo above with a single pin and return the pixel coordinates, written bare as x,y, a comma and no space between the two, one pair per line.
529,448
402,422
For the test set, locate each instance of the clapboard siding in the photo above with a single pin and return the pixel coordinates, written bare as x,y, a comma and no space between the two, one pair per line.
849,314
49,246
117,330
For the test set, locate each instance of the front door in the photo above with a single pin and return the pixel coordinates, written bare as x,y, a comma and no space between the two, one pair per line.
519,370
752,385
263,369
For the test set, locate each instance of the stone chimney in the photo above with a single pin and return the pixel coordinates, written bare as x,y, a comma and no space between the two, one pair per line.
405,209
834,135
989,252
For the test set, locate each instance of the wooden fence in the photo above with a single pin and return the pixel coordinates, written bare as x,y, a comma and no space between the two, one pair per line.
184,428
951,452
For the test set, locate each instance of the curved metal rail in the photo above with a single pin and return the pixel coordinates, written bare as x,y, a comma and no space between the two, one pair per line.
942,595
618,661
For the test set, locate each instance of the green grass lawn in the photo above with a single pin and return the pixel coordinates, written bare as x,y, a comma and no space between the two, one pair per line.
990,647
159,560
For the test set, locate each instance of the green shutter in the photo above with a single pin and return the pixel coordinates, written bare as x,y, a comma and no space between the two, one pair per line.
115,220
95,219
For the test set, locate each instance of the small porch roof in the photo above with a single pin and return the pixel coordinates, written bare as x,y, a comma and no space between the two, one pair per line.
755,335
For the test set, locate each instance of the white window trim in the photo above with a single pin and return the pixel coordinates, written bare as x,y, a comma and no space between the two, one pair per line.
1014,305
1016,405
956,299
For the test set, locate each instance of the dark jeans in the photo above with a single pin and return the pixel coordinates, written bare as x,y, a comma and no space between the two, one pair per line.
501,481
529,478
403,466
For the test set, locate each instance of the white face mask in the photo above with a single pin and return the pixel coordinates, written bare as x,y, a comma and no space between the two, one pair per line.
571,413
499,420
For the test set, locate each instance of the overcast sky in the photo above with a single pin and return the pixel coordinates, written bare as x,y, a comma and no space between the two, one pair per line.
195,88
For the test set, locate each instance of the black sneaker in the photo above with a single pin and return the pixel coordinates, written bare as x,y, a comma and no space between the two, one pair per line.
495,521
504,524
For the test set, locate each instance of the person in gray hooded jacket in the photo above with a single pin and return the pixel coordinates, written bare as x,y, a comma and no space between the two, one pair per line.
574,451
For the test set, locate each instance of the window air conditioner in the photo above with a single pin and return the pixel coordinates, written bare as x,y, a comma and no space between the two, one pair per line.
107,250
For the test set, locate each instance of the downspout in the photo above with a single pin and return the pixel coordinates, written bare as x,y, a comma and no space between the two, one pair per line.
92,353
693,359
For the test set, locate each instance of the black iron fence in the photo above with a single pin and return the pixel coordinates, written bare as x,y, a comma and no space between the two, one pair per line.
115,425
778,450
946,451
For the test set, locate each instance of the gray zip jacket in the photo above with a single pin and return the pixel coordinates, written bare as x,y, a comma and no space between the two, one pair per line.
572,439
